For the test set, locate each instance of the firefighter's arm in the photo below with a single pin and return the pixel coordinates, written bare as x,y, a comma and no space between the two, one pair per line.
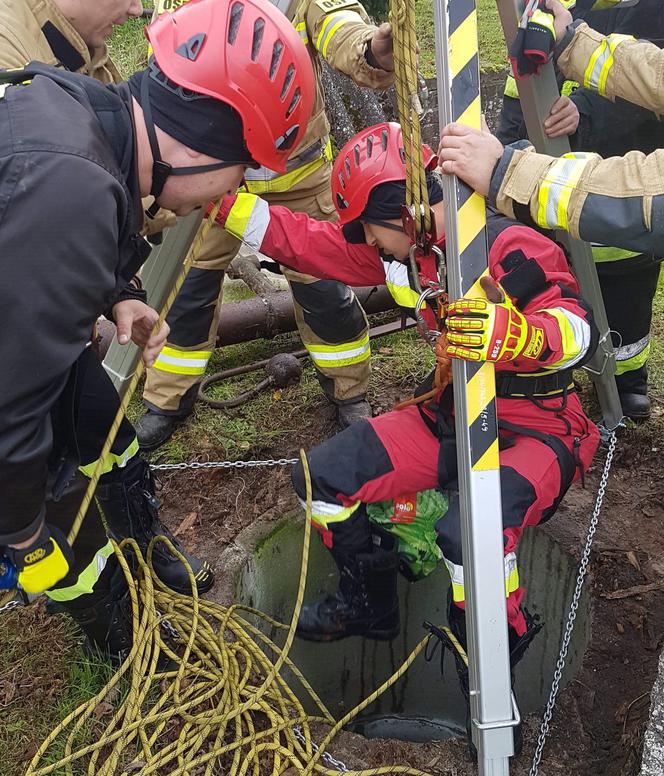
343,35
526,313
617,201
614,66
299,241
62,263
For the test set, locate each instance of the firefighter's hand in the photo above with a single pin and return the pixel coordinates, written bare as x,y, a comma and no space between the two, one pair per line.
491,329
42,561
563,118
471,154
135,321
562,18
381,47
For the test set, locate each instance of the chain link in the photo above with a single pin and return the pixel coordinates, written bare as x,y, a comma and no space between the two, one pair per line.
326,756
162,467
573,609
10,605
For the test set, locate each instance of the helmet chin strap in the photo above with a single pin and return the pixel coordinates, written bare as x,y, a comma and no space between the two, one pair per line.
384,224
162,170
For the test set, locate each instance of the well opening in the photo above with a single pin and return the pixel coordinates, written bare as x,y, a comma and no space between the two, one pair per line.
422,705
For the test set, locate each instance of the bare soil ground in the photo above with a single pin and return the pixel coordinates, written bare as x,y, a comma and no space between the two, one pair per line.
599,722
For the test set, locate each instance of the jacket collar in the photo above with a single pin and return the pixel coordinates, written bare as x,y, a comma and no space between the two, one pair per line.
68,47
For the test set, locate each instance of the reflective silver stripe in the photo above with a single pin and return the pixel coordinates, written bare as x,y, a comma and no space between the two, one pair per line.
625,352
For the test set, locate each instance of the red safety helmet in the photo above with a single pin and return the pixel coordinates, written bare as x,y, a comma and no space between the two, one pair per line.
247,54
375,155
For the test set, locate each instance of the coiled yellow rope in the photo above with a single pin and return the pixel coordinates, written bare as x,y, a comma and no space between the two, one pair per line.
221,706
402,19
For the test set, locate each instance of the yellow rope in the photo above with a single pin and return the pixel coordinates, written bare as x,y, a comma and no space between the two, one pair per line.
221,702
402,19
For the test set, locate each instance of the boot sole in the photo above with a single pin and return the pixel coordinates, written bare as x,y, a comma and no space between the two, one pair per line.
374,635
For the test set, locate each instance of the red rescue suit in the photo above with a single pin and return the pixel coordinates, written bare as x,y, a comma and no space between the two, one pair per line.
546,439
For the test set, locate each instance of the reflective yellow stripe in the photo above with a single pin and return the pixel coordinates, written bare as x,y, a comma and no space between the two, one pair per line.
301,28
248,219
634,356
569,87
323,513
87,579
557,187
183,362
112,460
601,62
398,284
332,24
511,89
574,335
602,253
511,572
340,355
290,179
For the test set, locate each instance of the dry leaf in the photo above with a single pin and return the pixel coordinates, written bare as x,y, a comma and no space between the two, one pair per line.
620,628
187,524
386,351
276,395
102,709
631,557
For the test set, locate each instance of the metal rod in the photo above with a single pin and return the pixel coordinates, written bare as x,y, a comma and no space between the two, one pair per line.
159,274
475,412
537,94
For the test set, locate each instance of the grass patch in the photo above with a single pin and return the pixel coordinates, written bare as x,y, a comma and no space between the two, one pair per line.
493,54
44,676
129,48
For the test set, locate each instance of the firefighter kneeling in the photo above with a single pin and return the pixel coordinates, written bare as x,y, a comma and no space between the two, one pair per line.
533,325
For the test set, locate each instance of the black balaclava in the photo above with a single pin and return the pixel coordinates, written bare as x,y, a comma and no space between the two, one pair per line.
206,125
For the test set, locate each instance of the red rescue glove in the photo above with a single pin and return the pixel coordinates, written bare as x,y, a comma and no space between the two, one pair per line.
491,329
44,562
535,40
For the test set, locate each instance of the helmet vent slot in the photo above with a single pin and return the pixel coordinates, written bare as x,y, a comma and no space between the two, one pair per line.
277,51
369,147
288,80
236,16
259,26
293,104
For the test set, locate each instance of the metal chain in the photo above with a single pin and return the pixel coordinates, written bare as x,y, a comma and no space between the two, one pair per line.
573,609
326,756
162,467
10,605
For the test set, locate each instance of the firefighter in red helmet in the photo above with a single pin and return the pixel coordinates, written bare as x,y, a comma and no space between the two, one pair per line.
533,324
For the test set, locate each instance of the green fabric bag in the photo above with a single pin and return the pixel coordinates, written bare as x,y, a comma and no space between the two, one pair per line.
411,519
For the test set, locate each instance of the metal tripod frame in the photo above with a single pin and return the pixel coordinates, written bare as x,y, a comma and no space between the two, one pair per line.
493,711
537,94
159,274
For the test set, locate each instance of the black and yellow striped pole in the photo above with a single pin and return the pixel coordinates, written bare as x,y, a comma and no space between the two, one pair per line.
492,711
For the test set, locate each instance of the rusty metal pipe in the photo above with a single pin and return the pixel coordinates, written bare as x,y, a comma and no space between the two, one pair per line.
265,317
261,317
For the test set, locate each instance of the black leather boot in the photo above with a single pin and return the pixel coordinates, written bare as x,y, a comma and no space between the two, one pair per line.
365,604
352,412
518,646
104,616
127,500
154,429
633,392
